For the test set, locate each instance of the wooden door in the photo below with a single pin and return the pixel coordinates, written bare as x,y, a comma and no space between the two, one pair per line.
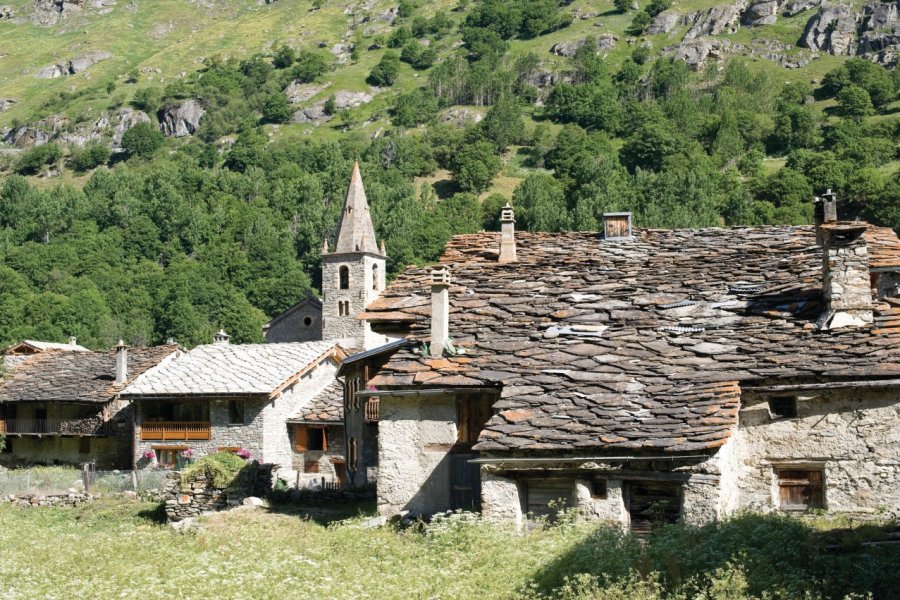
547,497
465,482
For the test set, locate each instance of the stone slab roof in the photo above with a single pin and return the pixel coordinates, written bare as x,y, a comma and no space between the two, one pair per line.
31,346
231,369
326,407
632,344
75,376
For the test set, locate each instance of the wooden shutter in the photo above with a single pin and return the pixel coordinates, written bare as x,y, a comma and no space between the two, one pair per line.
800,489
300,438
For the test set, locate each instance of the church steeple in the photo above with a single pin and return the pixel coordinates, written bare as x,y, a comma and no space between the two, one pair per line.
353,274
355,231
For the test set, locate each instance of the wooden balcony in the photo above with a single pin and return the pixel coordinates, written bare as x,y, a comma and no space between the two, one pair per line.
176,431
42,427
372,412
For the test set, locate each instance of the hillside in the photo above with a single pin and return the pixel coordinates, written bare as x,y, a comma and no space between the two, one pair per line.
171,167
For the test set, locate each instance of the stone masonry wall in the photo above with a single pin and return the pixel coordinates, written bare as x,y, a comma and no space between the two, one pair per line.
361,292
415,436
854,436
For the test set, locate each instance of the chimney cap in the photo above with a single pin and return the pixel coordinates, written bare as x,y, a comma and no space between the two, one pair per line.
507,214
221,337
120,346
73,341
440,276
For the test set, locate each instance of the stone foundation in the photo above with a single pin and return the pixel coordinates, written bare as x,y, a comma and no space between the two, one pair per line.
50,500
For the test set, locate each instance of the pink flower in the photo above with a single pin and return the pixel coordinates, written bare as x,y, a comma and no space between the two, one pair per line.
149,454
244,453
187,453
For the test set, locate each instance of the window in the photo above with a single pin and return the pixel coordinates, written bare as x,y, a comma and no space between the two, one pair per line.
343,308
311,466
167,456
547,497
598,489
236,412
84,445
472,412
801,489
307,321
783,407
375,277
310,439
344,278
353,453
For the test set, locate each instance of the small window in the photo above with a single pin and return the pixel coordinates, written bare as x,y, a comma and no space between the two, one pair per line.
783,407
598,489
353,453
310,439
167,456
801,489
343,308
344,278
84,445
307,321
235,412
375,277
311,466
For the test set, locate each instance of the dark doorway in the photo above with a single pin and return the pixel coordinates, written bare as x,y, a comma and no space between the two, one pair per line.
652,503
465,482
40,420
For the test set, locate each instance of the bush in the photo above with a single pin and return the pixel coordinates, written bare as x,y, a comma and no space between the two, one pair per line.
146,99
854,101
142,140
220,469
475,166
277,109
309,65
284,57
33,160
90,157
385,72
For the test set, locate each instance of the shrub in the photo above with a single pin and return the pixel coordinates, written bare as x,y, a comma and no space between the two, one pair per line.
146,99
386,71
309,65
277,109
142,140
284,57
221,470
90,157
33,160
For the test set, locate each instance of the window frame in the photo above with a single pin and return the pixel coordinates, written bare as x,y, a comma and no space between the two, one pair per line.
302,438
237,408
788,477
782,407
343,277
163,451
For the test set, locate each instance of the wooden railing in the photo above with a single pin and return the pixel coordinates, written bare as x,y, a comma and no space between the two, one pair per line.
88,426
372,412
180,431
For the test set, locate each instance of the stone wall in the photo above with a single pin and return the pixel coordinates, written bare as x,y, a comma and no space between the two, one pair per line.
852,435
53,450
301,323
415,437
33,500
847,286
362,291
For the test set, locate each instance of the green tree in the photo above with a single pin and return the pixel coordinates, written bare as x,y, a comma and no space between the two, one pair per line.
93,155
277,108
386,71
35,159
649,147
284,57
540,204
142,140
854,101
474,166
503,124
309,65
462,212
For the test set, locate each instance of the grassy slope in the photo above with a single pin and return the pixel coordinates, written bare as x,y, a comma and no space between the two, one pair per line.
241,28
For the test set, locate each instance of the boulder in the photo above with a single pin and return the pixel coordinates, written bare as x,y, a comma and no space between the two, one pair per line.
6,103
762,12
181,120
696,53
6,12
344,99
185,525
310,115
717,20
253,501
603,43
48,12
664,22
298,92
795,7
389,15
76,65
832,29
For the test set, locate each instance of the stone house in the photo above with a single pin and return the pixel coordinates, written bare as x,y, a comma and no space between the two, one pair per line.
300,323
644,375
62,404
275,400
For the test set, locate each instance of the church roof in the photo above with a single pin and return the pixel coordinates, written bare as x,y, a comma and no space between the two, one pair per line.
355,231
633,344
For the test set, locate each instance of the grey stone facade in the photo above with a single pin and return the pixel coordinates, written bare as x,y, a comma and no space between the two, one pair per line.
300,323
364,279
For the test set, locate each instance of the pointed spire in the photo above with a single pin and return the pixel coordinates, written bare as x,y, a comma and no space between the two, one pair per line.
355,231
325,247
382,249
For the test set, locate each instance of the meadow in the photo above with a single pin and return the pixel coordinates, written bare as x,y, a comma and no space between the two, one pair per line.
121,549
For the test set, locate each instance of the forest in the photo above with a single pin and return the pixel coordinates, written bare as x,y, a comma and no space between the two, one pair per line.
178,238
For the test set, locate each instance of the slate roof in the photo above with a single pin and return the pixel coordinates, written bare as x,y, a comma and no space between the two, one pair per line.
326,407
231,369
75,376
634,344
355,231
35,345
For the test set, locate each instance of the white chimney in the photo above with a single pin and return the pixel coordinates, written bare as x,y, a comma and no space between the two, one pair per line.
440,311
221,337
507,234
121,363
73,341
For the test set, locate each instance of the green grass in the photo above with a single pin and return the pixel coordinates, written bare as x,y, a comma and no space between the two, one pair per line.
115,549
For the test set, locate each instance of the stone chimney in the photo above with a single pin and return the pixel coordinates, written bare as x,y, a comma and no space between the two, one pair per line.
121,363
846,286
824,211
221,337
73,341
440,311
507,234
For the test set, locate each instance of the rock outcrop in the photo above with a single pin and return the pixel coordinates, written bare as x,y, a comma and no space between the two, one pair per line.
795,7
79,64
717,20
48,12
832,30
696,53
665,22
604,43
762,12
180,120
6,13
36,134
879,38
6,103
